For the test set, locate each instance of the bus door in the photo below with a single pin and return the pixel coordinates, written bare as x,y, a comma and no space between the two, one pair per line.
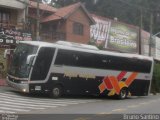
42,64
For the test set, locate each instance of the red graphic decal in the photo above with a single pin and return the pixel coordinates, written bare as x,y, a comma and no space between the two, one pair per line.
115,83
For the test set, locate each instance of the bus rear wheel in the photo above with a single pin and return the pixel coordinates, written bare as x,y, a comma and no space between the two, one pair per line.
56,92
123,93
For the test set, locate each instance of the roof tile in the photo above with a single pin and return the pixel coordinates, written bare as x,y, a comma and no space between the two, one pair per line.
62,12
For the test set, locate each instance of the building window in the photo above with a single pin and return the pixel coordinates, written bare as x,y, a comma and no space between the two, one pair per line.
4,17
77,28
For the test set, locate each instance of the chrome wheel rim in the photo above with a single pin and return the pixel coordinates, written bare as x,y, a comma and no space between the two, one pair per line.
123,93
56,91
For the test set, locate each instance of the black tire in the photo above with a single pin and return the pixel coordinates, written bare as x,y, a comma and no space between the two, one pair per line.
56,92
123,93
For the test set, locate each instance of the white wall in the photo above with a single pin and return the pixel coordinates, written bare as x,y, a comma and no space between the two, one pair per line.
13,3
145,36
157,50
18,6
21,16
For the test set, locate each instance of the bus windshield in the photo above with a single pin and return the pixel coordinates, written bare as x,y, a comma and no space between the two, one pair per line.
18,67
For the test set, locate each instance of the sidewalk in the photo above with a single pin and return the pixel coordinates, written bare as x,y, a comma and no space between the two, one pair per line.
3,82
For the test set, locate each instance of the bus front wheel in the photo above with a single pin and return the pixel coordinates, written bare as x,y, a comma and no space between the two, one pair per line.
123,93
56,92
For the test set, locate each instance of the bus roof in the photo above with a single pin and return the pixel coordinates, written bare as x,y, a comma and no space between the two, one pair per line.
84,48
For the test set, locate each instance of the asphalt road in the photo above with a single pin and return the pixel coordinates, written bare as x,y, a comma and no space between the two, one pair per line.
77,107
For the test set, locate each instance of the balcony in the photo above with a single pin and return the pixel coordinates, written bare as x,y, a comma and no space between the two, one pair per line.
52,37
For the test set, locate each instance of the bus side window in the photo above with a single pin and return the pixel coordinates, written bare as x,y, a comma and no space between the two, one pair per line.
85,60
66,57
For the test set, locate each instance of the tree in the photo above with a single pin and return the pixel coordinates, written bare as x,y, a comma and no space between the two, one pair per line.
156,79
127,11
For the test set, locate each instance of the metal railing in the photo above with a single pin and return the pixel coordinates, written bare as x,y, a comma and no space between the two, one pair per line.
53,36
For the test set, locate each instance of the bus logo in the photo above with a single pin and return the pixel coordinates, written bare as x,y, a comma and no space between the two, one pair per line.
115,84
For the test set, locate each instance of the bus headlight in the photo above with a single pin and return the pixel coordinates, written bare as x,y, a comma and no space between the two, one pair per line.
24,90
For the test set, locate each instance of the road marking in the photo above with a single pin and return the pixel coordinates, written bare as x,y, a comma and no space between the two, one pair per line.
108,113
144,103
26,104
14,109
149,102
40,101
153,101
119,110
83,118
17,103
103,113
2,111
24,98
16,106
23,95
133,106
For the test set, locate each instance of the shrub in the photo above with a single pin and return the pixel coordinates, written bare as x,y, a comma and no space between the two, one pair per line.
156,79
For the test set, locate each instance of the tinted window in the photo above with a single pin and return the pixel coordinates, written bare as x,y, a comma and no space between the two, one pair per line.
74,58
91,60
18,65
42,64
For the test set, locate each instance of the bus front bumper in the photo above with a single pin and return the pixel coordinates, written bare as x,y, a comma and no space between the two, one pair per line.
18,86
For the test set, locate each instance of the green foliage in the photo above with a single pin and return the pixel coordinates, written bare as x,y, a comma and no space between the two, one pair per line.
127,11
156,78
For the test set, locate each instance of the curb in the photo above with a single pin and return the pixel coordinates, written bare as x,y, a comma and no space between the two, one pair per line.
154,94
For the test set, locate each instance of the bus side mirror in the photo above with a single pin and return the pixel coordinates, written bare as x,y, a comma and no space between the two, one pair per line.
7,52
30,59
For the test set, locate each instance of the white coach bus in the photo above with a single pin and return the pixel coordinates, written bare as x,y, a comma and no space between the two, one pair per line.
70,68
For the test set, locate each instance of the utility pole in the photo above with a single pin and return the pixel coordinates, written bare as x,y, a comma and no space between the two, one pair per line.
26,14
140,33
151,30
38,22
